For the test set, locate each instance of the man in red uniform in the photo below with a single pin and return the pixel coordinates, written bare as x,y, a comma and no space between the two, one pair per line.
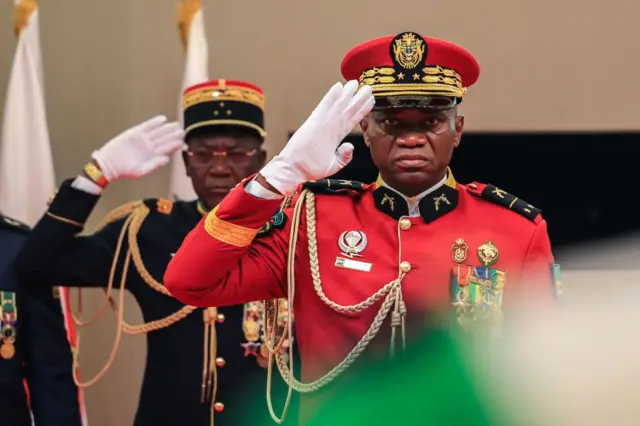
414,242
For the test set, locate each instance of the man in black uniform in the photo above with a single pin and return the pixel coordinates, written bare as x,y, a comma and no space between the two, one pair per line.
34,351
202,365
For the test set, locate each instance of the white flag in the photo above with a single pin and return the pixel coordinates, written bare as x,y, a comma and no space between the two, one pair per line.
26,165
196,70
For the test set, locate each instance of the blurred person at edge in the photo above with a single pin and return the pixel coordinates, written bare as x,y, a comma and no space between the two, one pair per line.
35,355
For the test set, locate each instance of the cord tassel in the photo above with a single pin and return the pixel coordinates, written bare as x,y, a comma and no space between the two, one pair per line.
205,355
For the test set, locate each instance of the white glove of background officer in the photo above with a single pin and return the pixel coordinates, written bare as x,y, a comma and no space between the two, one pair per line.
135,152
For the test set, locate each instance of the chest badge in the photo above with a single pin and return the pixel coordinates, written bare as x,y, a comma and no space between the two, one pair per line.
459,251
351,244
488,253
8,324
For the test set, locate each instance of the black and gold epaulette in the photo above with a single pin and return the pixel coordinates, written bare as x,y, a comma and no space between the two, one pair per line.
503,198
333,186
16,225
164,206
277,221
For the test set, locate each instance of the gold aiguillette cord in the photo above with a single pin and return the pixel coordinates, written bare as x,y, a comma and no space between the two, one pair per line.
209,386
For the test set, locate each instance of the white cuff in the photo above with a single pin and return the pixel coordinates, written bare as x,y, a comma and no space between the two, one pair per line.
282,175
85,185
254,188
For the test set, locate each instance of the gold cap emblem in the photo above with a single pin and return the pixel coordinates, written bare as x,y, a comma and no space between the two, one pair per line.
408,49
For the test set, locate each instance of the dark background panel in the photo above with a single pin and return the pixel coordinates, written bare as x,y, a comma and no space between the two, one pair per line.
583,182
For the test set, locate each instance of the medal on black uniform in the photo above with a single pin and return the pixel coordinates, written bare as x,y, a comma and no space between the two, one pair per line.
8,322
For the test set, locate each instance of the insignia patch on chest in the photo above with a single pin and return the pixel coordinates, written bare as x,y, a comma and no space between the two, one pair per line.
459,251
351,244
277,221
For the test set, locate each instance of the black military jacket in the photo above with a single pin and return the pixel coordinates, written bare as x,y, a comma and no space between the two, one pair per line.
143,236
33,346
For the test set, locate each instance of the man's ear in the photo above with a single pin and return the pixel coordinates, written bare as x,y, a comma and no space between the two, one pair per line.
459,128
364,125
262,158
185,160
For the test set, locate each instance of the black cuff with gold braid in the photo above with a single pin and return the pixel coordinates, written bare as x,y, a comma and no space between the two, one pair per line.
72,205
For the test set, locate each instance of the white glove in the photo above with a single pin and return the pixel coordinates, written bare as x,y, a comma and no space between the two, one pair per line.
312,152
140,150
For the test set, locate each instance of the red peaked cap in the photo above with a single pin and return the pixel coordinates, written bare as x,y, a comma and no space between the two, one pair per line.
409,65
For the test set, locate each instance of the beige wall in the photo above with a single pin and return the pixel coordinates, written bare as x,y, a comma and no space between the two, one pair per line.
109,64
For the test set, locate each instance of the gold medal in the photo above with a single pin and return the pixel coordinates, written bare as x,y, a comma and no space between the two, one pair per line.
7,350
488,253
8,321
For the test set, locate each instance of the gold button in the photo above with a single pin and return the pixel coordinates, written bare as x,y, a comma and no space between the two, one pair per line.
405,266
405,224
220,318
218,406
473,186
220,362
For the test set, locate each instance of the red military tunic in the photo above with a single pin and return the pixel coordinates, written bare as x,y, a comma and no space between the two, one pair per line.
220,263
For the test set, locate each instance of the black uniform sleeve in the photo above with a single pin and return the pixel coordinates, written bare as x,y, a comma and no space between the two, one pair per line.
48,360
54,254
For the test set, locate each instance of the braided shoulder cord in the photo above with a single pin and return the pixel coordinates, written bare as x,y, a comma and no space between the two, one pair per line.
136,213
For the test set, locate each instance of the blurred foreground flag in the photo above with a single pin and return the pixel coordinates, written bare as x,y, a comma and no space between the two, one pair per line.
572,364
432,383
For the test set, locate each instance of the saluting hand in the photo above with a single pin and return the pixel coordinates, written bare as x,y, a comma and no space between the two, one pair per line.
140,150
314,151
